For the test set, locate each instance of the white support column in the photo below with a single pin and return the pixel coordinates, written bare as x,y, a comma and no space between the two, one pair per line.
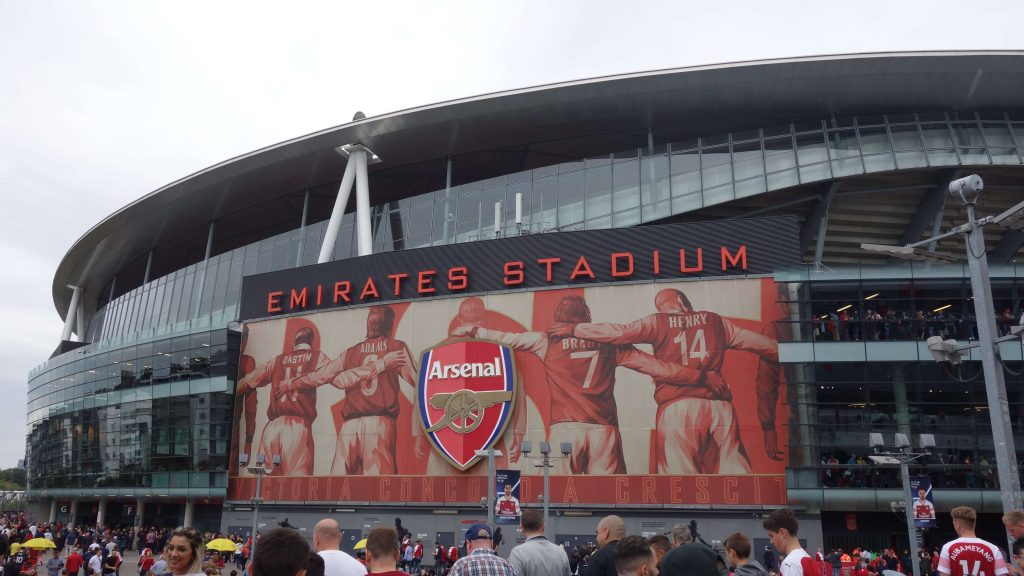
334,224
140,507
80,324
72,315
53,511
73,514
189,513
363,230
101,512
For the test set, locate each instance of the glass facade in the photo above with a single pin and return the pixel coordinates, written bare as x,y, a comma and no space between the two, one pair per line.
857,364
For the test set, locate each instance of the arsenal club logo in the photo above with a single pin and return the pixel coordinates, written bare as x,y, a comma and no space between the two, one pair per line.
465,397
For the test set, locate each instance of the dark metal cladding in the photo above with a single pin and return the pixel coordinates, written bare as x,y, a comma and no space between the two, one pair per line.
769,244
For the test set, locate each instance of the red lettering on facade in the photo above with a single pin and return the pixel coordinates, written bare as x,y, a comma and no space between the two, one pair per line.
397,278
621,492
582,269
341,290
428,489
618,259
740,257
345,493
732,492
405,493
424,280
458,278
570,492
274,301
449,490
549,263
702,494
369,289
514,274
298,299
319,294
657,262
682,261
675,492
385,489
648,484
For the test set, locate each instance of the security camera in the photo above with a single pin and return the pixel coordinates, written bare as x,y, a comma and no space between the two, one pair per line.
967,188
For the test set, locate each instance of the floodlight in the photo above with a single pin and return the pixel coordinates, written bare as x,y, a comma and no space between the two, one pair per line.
545,448
1013,218
902,441
243,459
883,459
276,459
967,188
566,448
944,350
526,446
908,253
346,151
260,459
927,441
875,440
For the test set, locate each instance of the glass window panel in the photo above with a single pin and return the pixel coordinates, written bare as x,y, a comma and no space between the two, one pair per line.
570,198
626,218
490,198
718,194
842,144
997,134
654,176
1004,156
544,203
444,217
747,160
626,186
716,168
598,191
968,134
811,149
685,173
815,172
909,159
750,187
686,202
782,179
778,154
974,156
656,211
468,218
936,135
943,157
690,144
521,187
419,219
879,162
847,167
905,138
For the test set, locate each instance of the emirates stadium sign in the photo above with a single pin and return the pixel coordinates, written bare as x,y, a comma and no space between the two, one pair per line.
465,397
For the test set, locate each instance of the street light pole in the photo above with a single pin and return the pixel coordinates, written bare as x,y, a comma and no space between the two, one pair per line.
259,470
490,453
545,462
904,457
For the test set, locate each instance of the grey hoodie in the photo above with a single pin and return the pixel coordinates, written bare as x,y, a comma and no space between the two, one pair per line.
752,568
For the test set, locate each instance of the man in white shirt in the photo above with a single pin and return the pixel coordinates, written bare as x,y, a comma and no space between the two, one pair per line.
327,543
95,562
782,527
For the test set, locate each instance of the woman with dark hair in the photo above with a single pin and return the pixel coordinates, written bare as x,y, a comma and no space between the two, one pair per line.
185,552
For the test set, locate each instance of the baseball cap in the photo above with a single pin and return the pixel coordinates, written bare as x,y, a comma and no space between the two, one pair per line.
478,531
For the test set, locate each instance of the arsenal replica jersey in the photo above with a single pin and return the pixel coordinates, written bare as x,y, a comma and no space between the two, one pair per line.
377,396
581,374
696,339
287,366
971,557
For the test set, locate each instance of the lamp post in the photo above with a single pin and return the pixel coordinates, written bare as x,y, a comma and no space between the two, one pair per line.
490,453
259,470
903,456
967,189
545,462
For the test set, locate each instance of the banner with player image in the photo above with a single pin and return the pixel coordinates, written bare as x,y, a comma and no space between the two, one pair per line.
506,505
684,373
924,505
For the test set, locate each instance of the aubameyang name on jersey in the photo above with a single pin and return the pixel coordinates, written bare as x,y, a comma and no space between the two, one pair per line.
440,371
298,358
579,344
978,548
688,321
373,347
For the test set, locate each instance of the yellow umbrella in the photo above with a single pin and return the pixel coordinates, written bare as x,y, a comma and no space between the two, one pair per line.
221,545
360,545
39,544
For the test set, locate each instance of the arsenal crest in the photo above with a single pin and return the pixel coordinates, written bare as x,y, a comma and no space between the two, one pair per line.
465,397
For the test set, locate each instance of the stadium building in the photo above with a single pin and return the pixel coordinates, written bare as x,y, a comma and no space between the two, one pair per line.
734,195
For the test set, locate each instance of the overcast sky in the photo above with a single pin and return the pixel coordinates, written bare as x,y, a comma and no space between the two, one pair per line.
103,102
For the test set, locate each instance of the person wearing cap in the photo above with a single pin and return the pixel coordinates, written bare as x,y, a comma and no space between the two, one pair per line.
538,556
691,558
480,559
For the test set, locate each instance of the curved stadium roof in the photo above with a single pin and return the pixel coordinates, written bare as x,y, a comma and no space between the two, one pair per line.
681,103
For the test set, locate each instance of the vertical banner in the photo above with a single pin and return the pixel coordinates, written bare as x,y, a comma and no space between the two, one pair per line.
924,506
506,507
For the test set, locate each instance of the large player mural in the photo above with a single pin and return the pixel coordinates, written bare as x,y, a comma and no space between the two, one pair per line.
668,392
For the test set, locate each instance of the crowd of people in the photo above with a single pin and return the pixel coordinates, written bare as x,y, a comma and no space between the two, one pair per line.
892,324
390,551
